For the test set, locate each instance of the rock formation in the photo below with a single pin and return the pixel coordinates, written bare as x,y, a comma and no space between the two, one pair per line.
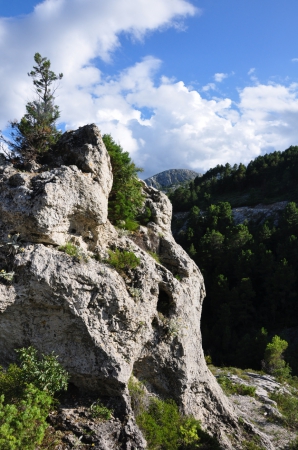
171,177
104,325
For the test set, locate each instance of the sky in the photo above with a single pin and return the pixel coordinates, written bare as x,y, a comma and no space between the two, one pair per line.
178,83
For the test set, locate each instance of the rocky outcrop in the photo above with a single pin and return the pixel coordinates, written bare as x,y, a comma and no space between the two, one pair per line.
260,408
105,325
171,177
259,213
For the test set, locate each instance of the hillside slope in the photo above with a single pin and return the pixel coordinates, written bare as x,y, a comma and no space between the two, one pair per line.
170,178
248,255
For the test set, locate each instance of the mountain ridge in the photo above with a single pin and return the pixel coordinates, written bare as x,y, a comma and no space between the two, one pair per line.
171,177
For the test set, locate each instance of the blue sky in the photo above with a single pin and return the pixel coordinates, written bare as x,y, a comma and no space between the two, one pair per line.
180,84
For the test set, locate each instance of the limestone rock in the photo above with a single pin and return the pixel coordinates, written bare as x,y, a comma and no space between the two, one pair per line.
171,177
64,202
105,325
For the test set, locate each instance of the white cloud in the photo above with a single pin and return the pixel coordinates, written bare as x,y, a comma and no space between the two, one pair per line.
163,124
251,71
294,59
219,77
186,130
208,87
71,33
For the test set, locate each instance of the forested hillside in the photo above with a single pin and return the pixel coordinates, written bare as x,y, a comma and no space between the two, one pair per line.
268,178
250,269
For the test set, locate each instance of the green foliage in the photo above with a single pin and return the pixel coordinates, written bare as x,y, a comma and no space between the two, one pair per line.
7,276
155,256
251,276
74,251
12,244
288,406
36,132
26,396
45,373
251,445
11,382
231,388
123,260
269,177
99,411
126,199
137,396
293,445
274,362
163,426
22,425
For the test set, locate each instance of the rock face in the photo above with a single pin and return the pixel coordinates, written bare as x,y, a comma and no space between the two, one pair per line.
171,177
259,213
260,408
105,325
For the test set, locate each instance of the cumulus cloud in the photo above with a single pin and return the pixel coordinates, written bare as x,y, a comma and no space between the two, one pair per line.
183,129
72,34
219,77
208,87
163,124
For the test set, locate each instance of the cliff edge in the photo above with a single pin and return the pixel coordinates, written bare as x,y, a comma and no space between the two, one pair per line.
104,325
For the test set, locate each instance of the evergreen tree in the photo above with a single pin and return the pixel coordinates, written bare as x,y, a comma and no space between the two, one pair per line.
126,199
36,132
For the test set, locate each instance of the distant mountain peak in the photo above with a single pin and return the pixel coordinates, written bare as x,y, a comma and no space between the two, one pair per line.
171,177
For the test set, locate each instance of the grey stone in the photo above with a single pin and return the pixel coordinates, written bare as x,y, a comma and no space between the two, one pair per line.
171,177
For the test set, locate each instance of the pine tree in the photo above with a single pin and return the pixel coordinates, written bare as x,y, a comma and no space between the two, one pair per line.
126,198
36,132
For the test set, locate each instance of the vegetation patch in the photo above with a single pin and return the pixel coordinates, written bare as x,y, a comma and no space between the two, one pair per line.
155,256
163,425
99,411
288,406
231,388
123,260
27,395
126,198
74,251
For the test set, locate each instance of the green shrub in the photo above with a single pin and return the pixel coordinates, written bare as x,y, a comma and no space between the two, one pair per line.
155,256
98,410
231,388
26,396
288,406
131,225
208,359
137,396
162,424
123,260
45,373
6,276
74,251
11,382
273,360
22,426
293,445
159,425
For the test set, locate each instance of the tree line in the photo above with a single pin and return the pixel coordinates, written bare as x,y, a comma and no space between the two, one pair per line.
266,179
